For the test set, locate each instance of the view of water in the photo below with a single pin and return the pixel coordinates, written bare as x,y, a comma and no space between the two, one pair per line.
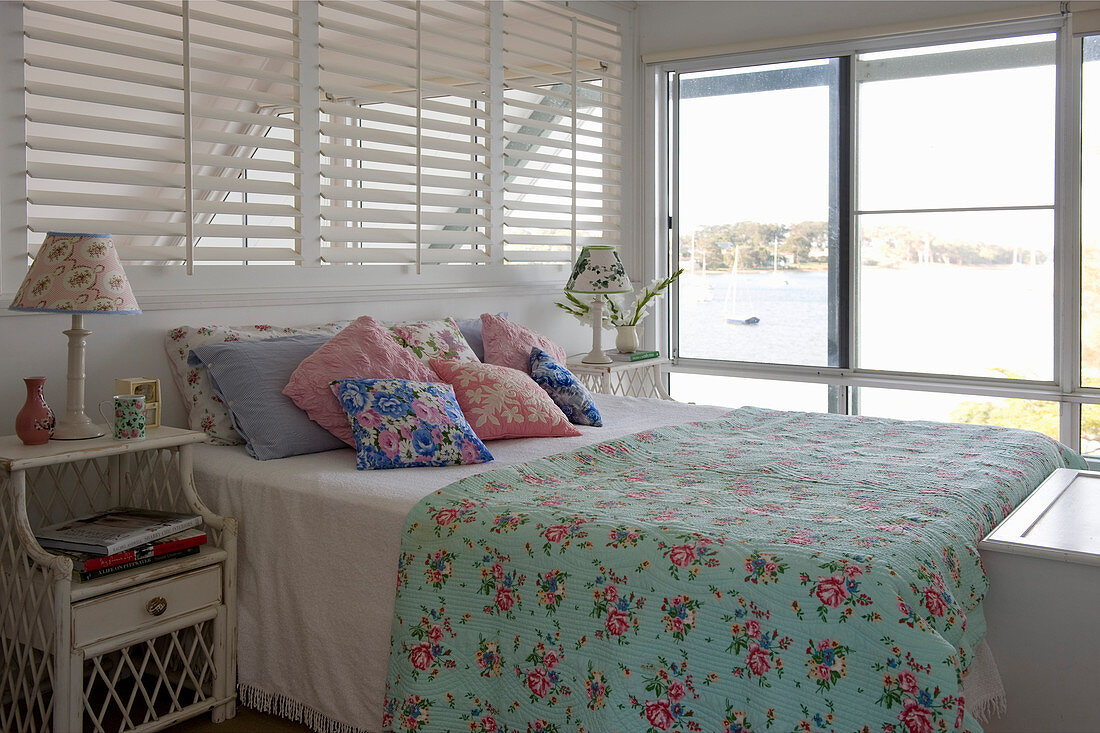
975,321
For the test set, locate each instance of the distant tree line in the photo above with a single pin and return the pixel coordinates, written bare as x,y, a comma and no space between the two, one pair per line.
760,246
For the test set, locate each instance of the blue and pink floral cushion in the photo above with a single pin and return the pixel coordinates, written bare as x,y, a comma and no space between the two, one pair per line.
565,389
401,424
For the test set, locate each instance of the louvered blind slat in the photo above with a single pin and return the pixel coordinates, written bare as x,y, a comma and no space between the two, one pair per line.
562,153
187,142
246,106
405,148
148,127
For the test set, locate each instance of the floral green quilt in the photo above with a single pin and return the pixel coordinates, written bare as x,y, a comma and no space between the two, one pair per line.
767,571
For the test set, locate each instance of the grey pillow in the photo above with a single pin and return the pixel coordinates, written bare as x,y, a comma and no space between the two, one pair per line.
471,331
249,376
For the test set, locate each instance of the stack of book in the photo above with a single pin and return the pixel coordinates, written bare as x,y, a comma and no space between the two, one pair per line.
634,355
122,539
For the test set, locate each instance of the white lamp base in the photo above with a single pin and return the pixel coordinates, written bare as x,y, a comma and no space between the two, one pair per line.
76,425
596,355
72,428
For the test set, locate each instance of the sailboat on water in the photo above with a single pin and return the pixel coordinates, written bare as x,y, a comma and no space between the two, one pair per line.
731,297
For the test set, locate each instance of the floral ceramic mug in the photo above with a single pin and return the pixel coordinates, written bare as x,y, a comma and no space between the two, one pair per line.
129,418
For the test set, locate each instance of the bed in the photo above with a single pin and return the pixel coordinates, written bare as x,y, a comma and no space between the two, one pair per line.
754,593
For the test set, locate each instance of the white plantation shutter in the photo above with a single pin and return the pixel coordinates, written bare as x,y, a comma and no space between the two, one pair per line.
184,129
245,130
152,121
405,171
105,122
562,128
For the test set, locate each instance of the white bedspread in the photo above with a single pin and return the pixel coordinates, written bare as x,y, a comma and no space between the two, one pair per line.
318,549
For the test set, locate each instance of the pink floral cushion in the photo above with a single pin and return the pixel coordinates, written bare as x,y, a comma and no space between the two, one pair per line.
363,350
509,344
439,339
500,402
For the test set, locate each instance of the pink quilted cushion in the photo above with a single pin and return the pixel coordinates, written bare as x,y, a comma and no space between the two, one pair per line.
509,344
500,402
363,350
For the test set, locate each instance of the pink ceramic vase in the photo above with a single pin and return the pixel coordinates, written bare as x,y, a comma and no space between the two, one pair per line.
34,423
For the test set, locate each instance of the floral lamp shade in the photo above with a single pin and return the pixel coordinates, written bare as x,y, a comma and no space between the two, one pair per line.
76,273
598,271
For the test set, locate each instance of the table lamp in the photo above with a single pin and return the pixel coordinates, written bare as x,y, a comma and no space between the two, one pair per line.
77,274
598,272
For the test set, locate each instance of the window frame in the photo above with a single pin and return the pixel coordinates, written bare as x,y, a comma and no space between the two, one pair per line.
1065,388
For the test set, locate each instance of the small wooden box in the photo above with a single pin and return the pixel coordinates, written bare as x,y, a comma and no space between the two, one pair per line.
143,386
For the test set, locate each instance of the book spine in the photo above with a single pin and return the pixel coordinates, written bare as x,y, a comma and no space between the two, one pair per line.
642,355
146,537
93,574
139,553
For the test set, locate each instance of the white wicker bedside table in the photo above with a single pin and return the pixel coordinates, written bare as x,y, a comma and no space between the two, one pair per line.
626,378
137,650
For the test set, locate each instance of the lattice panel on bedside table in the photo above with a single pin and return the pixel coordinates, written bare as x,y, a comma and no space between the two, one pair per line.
144,682
27,630
635,383
151,480
591,381
62,491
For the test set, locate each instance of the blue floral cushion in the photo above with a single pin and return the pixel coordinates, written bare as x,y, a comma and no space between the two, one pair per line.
399,424
565,389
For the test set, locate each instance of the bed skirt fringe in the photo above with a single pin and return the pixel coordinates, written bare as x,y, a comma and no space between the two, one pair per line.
282,706
983,689
991,709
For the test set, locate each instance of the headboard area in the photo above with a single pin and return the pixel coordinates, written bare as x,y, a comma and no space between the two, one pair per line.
133,345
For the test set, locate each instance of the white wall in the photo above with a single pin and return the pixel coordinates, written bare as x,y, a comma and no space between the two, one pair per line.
670,25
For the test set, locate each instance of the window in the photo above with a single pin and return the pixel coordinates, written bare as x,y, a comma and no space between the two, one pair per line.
1090,239
955,163
882,230
754,212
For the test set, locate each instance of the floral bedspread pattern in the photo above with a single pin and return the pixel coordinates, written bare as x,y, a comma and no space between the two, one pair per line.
767,571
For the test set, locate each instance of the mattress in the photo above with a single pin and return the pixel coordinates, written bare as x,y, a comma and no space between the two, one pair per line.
318,552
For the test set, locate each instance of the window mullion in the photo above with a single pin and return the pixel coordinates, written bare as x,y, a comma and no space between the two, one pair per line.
842,241
309,137
1067,242
670,224
495,132
188,142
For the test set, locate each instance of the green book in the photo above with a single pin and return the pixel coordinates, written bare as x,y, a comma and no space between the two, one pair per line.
635,356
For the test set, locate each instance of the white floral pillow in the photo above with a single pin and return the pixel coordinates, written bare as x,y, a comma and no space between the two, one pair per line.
204,410
440,339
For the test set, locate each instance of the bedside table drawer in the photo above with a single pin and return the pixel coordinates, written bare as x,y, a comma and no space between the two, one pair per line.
146,605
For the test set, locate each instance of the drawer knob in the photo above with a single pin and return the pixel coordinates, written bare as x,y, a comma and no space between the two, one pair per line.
156,606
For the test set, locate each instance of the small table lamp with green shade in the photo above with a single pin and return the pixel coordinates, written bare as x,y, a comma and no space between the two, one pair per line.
598,272
76,274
